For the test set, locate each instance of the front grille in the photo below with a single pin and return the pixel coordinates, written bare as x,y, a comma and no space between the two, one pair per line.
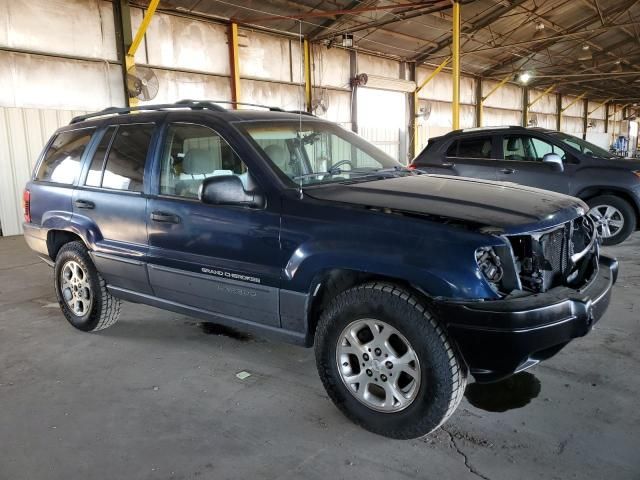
543,260
555,253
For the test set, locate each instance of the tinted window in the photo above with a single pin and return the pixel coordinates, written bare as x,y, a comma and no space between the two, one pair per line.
542,148
124,169
94,177
526,148
476,147
61,163
193,153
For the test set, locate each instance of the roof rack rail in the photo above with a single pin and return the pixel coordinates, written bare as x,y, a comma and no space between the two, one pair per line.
193,104
212,105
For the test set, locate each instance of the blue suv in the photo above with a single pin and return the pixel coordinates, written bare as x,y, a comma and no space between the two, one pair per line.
290,226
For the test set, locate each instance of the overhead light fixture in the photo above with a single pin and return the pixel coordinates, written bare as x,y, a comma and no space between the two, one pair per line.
347,40
539,30
617,67
524,77
585,47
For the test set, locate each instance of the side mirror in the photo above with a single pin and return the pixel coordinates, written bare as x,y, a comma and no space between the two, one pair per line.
228,190
555,161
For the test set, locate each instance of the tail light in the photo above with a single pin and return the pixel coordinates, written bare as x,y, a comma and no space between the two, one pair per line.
26,204
411,166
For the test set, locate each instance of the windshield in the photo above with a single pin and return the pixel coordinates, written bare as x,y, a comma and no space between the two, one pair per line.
312,153
583,146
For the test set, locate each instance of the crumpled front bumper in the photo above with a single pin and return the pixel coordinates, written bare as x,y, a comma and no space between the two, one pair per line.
501,337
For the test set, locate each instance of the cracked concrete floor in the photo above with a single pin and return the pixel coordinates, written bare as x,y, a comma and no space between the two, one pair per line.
155,397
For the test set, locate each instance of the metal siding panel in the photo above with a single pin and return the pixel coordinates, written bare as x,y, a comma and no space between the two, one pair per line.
23,134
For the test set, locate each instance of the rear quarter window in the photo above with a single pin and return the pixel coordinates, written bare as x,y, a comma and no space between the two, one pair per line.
61,161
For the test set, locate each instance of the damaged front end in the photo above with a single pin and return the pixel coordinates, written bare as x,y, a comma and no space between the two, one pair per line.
565,255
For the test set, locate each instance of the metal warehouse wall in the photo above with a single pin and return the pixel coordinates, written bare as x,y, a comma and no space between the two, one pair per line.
23,133
59,56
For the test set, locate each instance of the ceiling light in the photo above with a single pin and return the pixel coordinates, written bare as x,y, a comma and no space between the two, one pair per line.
524,77
539,30
585,47
347,40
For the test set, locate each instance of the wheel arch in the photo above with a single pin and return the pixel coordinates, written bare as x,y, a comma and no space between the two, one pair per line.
330,282
592,192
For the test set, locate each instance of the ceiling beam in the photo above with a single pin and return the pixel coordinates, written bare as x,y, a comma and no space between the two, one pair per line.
573,29
481,23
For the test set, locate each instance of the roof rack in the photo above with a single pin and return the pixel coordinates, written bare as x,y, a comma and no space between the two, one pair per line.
192,104
187,103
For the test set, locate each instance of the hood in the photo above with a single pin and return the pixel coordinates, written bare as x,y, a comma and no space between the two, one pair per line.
507,206
629,164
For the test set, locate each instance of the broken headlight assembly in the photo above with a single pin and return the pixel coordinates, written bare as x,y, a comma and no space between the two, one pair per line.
490,267
497,266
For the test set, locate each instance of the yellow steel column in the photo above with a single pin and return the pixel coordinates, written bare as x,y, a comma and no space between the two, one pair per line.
455,53
129,60
234,63
307,75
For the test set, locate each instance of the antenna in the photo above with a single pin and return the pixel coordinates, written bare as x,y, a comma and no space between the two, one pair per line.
302,105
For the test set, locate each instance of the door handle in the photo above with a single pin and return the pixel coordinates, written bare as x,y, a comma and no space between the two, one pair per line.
448,165
84,204
165,217
508,171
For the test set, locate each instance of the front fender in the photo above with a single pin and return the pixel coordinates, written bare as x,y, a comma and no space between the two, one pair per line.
441,274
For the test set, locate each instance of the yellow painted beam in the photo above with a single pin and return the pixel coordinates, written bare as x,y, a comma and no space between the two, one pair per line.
600,105
234,63
575,100
539,97
143,27
307,75
455,53
433,74
491,92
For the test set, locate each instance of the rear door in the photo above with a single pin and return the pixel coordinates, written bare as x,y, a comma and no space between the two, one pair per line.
471,156
222,260
522,163
111,202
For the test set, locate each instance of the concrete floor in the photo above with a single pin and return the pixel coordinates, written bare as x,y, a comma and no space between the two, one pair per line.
157,397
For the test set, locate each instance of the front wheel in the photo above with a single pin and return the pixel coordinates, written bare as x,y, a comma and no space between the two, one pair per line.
614,217
386,362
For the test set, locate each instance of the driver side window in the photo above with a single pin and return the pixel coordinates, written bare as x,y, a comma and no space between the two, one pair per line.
193,153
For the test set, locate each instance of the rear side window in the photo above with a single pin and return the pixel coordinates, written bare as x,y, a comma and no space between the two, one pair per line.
61,162
476,147
124,167
94,177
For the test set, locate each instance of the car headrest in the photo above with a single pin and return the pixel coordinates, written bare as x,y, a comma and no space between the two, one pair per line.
512,144
198,161
278,155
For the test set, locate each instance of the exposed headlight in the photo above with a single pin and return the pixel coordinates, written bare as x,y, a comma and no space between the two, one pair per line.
490,266
636,173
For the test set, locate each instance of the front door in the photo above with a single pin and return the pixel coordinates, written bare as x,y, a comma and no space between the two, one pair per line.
222,260
523,163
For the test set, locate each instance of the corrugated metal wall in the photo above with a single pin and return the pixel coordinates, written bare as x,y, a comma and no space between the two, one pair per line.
23,133
66,59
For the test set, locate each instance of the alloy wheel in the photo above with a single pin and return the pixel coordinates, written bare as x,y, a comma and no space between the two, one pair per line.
608,219
378,365
76,288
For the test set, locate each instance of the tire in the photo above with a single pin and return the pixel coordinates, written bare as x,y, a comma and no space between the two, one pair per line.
438,379
91,307
620,211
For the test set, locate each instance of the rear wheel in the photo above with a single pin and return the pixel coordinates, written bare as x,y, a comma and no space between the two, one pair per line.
386,363
615,218
82,292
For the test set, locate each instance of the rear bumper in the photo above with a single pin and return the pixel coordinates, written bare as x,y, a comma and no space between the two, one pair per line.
502,337
36,238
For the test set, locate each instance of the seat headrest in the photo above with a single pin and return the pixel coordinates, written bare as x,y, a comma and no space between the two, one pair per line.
278,155
512,144
198,161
